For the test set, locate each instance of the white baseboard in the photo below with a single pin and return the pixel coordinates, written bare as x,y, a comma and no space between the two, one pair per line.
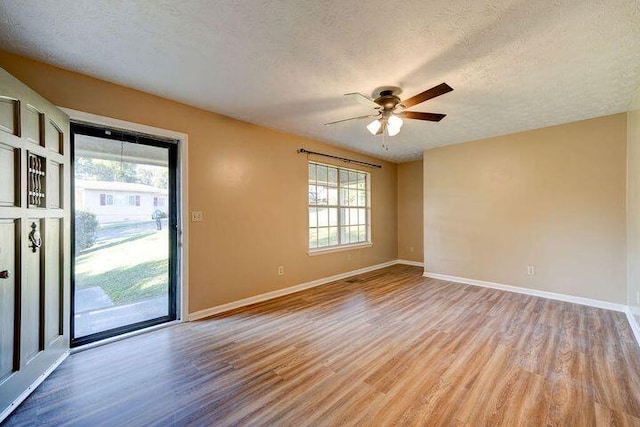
635,327
407,262
527,291
32,387
286,291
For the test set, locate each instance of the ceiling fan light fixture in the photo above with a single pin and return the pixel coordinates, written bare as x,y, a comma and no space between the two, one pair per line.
393,130
395,121
390,109
394,125
374,126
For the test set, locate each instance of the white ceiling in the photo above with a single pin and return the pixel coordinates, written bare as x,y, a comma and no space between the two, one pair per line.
284,64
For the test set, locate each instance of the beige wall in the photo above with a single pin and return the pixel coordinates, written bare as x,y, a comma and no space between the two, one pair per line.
633,207
553,198
248,180
410,206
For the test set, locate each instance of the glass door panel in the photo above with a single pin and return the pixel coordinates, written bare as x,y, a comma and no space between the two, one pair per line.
124,211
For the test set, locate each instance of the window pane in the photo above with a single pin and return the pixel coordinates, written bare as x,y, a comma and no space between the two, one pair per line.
353,234
321,195
362,181
344,216
353,215
362,233
344,178
323,217
312,173
333,176
313,217
312,195
353,179
362,198
353,198
333,196
333,216
333,236
343,197
323,237
321,172
313,237
344,235
362,216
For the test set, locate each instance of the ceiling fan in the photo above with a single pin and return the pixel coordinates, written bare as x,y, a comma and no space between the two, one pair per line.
391,110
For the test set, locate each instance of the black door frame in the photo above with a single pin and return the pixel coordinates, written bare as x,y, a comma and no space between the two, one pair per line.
171,145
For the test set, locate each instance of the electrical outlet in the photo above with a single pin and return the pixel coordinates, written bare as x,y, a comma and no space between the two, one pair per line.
530,270
281,270
411,249
197,216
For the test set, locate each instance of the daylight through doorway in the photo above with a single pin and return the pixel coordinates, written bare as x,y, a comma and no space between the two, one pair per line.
124,232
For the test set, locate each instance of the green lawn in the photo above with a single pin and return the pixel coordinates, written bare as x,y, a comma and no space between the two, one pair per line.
129,271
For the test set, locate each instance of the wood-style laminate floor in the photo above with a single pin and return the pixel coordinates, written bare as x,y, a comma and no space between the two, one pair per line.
392,348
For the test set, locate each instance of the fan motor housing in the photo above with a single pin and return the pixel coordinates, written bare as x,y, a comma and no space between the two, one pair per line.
387,100
388,97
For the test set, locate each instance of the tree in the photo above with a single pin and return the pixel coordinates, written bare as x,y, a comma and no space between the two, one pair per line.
105,170
111,170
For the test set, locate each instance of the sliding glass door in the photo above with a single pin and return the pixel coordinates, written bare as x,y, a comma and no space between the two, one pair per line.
125,216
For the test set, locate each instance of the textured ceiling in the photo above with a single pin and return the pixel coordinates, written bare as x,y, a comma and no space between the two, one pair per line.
284,64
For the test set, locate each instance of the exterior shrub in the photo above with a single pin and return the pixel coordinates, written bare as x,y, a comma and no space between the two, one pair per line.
86,226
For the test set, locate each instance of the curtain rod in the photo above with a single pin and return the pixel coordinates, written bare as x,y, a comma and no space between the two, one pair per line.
344,159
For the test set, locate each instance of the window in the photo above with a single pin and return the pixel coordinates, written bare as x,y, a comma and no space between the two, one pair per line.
158,202
134,200
339,207
106,199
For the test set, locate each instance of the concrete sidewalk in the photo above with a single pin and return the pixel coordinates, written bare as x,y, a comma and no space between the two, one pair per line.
96,313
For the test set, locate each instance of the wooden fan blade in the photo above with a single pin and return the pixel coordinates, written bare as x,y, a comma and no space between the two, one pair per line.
361,99
352,118
381,129
432,117
441,89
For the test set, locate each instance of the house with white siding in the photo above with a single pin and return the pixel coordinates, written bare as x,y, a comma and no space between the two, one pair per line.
114,201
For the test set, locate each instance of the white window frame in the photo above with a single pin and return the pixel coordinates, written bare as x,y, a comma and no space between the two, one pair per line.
106,197
340,246
134,200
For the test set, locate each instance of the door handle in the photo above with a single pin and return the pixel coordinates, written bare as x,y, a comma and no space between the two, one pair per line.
5,274
34,237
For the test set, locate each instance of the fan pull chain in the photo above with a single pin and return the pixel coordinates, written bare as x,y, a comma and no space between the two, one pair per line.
384,140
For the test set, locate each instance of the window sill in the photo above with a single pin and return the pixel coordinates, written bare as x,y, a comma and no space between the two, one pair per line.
314,252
